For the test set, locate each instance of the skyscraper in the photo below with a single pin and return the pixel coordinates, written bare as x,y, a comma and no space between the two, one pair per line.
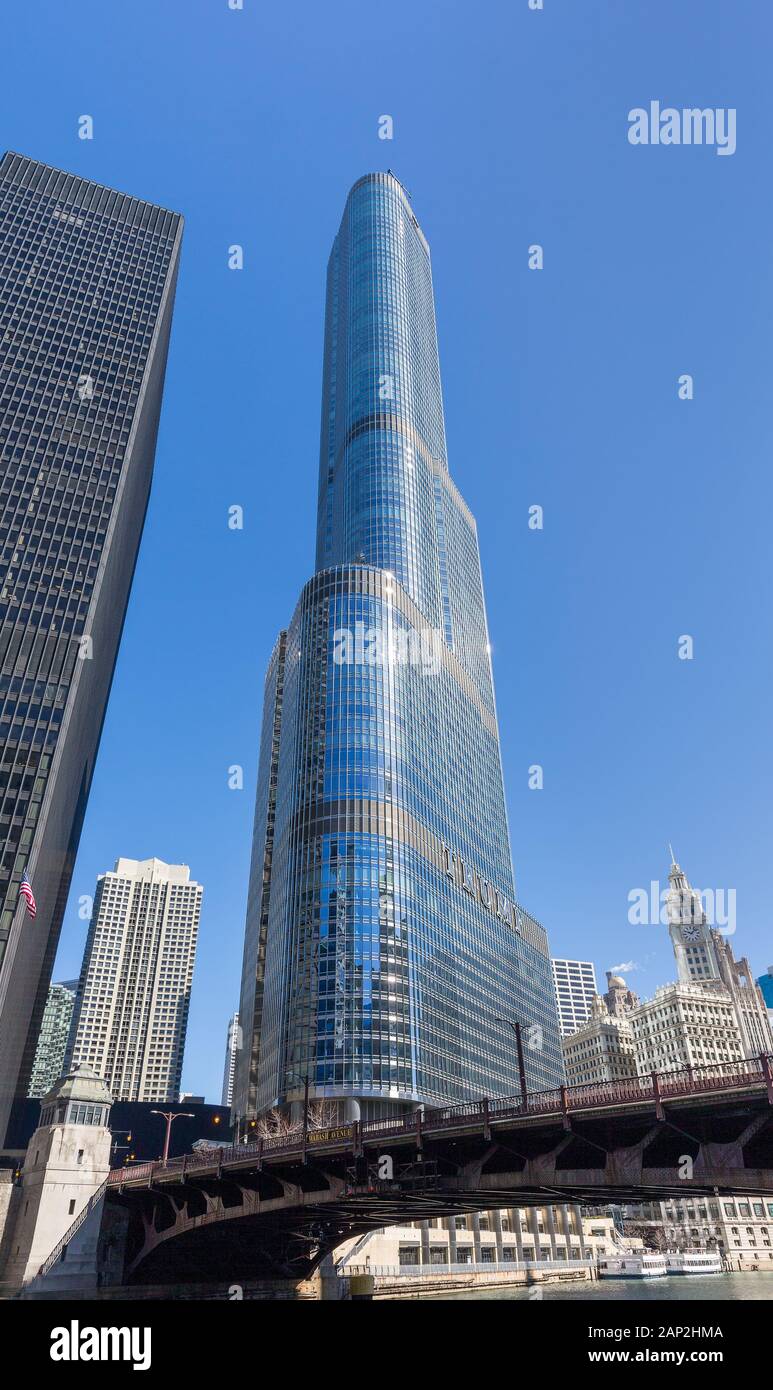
229,1067
575,984
134,990
87,280
384,946
601,1050
48,1065
765,983
704,956
686,1025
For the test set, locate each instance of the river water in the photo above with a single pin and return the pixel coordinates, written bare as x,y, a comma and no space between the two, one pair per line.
690,1288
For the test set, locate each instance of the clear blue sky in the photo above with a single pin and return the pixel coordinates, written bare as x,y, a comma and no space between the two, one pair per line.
510,127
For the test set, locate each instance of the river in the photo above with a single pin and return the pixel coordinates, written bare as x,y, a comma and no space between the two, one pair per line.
690,1288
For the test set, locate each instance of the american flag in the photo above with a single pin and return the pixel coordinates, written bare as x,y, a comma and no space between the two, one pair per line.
25,891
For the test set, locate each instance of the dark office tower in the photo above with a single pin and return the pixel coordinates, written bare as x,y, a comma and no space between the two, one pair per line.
383,941
87,280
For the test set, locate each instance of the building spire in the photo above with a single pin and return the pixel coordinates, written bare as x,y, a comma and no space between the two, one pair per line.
676,877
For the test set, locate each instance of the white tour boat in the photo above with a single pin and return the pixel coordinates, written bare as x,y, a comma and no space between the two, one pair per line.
693,1262
633,1264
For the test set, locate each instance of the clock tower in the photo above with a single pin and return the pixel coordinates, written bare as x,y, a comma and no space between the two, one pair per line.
704,956
690,933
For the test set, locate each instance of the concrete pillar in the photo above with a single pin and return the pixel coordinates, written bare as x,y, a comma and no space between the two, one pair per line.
566,1227
452,1239
498,1233
332,1287
551,1225
516,1220
577,1213
534,1228
476,1236
424,1229
726,1222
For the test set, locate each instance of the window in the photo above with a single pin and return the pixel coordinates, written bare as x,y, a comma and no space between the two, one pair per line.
71,1208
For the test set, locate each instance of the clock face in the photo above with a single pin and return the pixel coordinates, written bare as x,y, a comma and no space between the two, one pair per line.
691,933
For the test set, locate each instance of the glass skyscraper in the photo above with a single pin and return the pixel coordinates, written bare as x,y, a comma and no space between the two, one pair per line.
48,1065
87,279
383,940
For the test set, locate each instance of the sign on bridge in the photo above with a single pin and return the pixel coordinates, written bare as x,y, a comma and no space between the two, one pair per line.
329,1136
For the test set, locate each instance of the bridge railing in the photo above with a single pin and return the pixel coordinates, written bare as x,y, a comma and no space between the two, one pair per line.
206,1158
608,1093
564,1100
706,1077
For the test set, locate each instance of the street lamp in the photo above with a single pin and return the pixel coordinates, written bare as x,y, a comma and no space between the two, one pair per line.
516,1027
240,1138
169,1116
294,1076
115,1146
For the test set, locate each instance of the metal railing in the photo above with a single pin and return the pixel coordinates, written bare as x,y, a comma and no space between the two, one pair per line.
76,1225
565,1100
428,1271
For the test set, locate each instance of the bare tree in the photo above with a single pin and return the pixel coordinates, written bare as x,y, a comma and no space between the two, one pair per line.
323,1114
654,1237
276,1124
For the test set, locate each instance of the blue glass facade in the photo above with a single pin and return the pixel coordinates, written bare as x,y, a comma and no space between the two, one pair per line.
383,940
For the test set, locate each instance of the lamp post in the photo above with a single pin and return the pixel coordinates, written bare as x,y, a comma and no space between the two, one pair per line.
169,1116
115,1146
305,1114
516,1027
295,1076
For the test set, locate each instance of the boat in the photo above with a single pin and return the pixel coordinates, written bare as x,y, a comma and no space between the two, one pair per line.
693,1262
633,1264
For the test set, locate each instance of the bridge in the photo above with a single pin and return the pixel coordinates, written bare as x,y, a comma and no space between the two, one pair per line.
276,1207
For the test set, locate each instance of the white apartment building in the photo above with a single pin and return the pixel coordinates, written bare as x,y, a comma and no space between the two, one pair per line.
601,1050
232,1045
575,985
685,1025
131,1013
